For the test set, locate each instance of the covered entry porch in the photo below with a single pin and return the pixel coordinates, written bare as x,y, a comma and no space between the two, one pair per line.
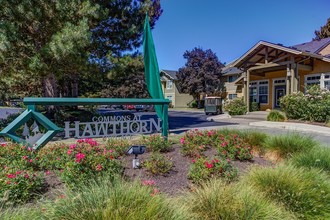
271,71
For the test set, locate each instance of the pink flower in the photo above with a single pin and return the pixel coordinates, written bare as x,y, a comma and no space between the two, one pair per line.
182,140
11,176
26,176
99,167
29,149
58,158
223,144
73,146
149,182
110,151
154,192
79,157
8,182
193,160
30,160
69,152
208,165
18,172
25,157
3,144
47,172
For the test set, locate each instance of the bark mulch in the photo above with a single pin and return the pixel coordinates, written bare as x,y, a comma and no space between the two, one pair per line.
176,181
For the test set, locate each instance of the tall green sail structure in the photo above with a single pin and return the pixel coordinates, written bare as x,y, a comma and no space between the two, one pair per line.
151,70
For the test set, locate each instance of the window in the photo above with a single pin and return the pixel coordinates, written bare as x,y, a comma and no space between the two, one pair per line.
169,84
259,92
314,79
232,96
169,97
232,78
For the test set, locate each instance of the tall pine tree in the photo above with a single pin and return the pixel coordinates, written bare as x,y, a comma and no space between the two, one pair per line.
48,44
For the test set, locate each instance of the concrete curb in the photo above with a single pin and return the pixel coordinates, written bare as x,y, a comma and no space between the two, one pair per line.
293,126
218,117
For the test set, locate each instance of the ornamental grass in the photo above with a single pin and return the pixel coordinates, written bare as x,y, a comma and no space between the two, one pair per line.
318,157
289,144
217,200
112,199
305,192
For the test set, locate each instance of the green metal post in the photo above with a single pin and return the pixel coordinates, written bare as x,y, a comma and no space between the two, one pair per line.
165,121
31,107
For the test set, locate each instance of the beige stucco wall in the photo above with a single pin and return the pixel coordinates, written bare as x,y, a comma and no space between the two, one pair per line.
325,50
319,67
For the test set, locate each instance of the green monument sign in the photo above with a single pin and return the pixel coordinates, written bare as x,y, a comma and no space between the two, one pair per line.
99,126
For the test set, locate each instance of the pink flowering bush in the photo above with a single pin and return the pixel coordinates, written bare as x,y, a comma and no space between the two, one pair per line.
82,161
120,146
203,169
234,147
22,169
194,142
157,143
19,185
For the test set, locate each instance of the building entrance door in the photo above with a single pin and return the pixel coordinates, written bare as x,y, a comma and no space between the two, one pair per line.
279,92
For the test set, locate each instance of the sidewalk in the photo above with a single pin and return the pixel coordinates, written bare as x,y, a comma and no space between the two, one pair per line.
293,126
186,109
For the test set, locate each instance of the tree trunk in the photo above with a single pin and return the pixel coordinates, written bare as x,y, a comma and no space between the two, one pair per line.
49,86
74,87
49,89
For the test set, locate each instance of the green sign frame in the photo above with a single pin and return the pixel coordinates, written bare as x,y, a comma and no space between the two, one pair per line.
53,129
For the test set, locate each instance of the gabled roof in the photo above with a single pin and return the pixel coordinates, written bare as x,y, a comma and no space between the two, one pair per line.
262,44
314,46
231,71
170,73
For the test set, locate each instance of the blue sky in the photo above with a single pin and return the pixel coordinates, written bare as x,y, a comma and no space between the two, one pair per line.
231,27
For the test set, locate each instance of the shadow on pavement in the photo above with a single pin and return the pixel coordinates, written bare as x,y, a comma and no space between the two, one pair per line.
188,122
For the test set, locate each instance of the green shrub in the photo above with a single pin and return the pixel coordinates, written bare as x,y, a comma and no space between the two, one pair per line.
314,106
108,199
318,157
233,146
288,144
236,107
157,143
118,145
158,164
202,169
276,115
254,106
194,142
5,121
20,181
218,200
20,185
306,192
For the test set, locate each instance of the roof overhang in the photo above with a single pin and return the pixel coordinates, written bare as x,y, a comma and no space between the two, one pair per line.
263,51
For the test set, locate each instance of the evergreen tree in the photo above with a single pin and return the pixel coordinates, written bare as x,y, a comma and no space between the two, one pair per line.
48,44
127,78
324,31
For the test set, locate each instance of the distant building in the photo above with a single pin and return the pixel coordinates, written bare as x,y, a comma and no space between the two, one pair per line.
229,77
270,71
172,90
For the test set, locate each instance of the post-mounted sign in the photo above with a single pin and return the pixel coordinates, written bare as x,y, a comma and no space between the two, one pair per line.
100,126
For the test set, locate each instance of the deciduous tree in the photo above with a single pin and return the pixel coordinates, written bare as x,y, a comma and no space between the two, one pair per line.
201,73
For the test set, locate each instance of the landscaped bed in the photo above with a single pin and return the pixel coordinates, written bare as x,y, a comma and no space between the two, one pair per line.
214,174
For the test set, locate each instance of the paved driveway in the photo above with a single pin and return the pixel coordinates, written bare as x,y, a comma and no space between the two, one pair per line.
4,112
